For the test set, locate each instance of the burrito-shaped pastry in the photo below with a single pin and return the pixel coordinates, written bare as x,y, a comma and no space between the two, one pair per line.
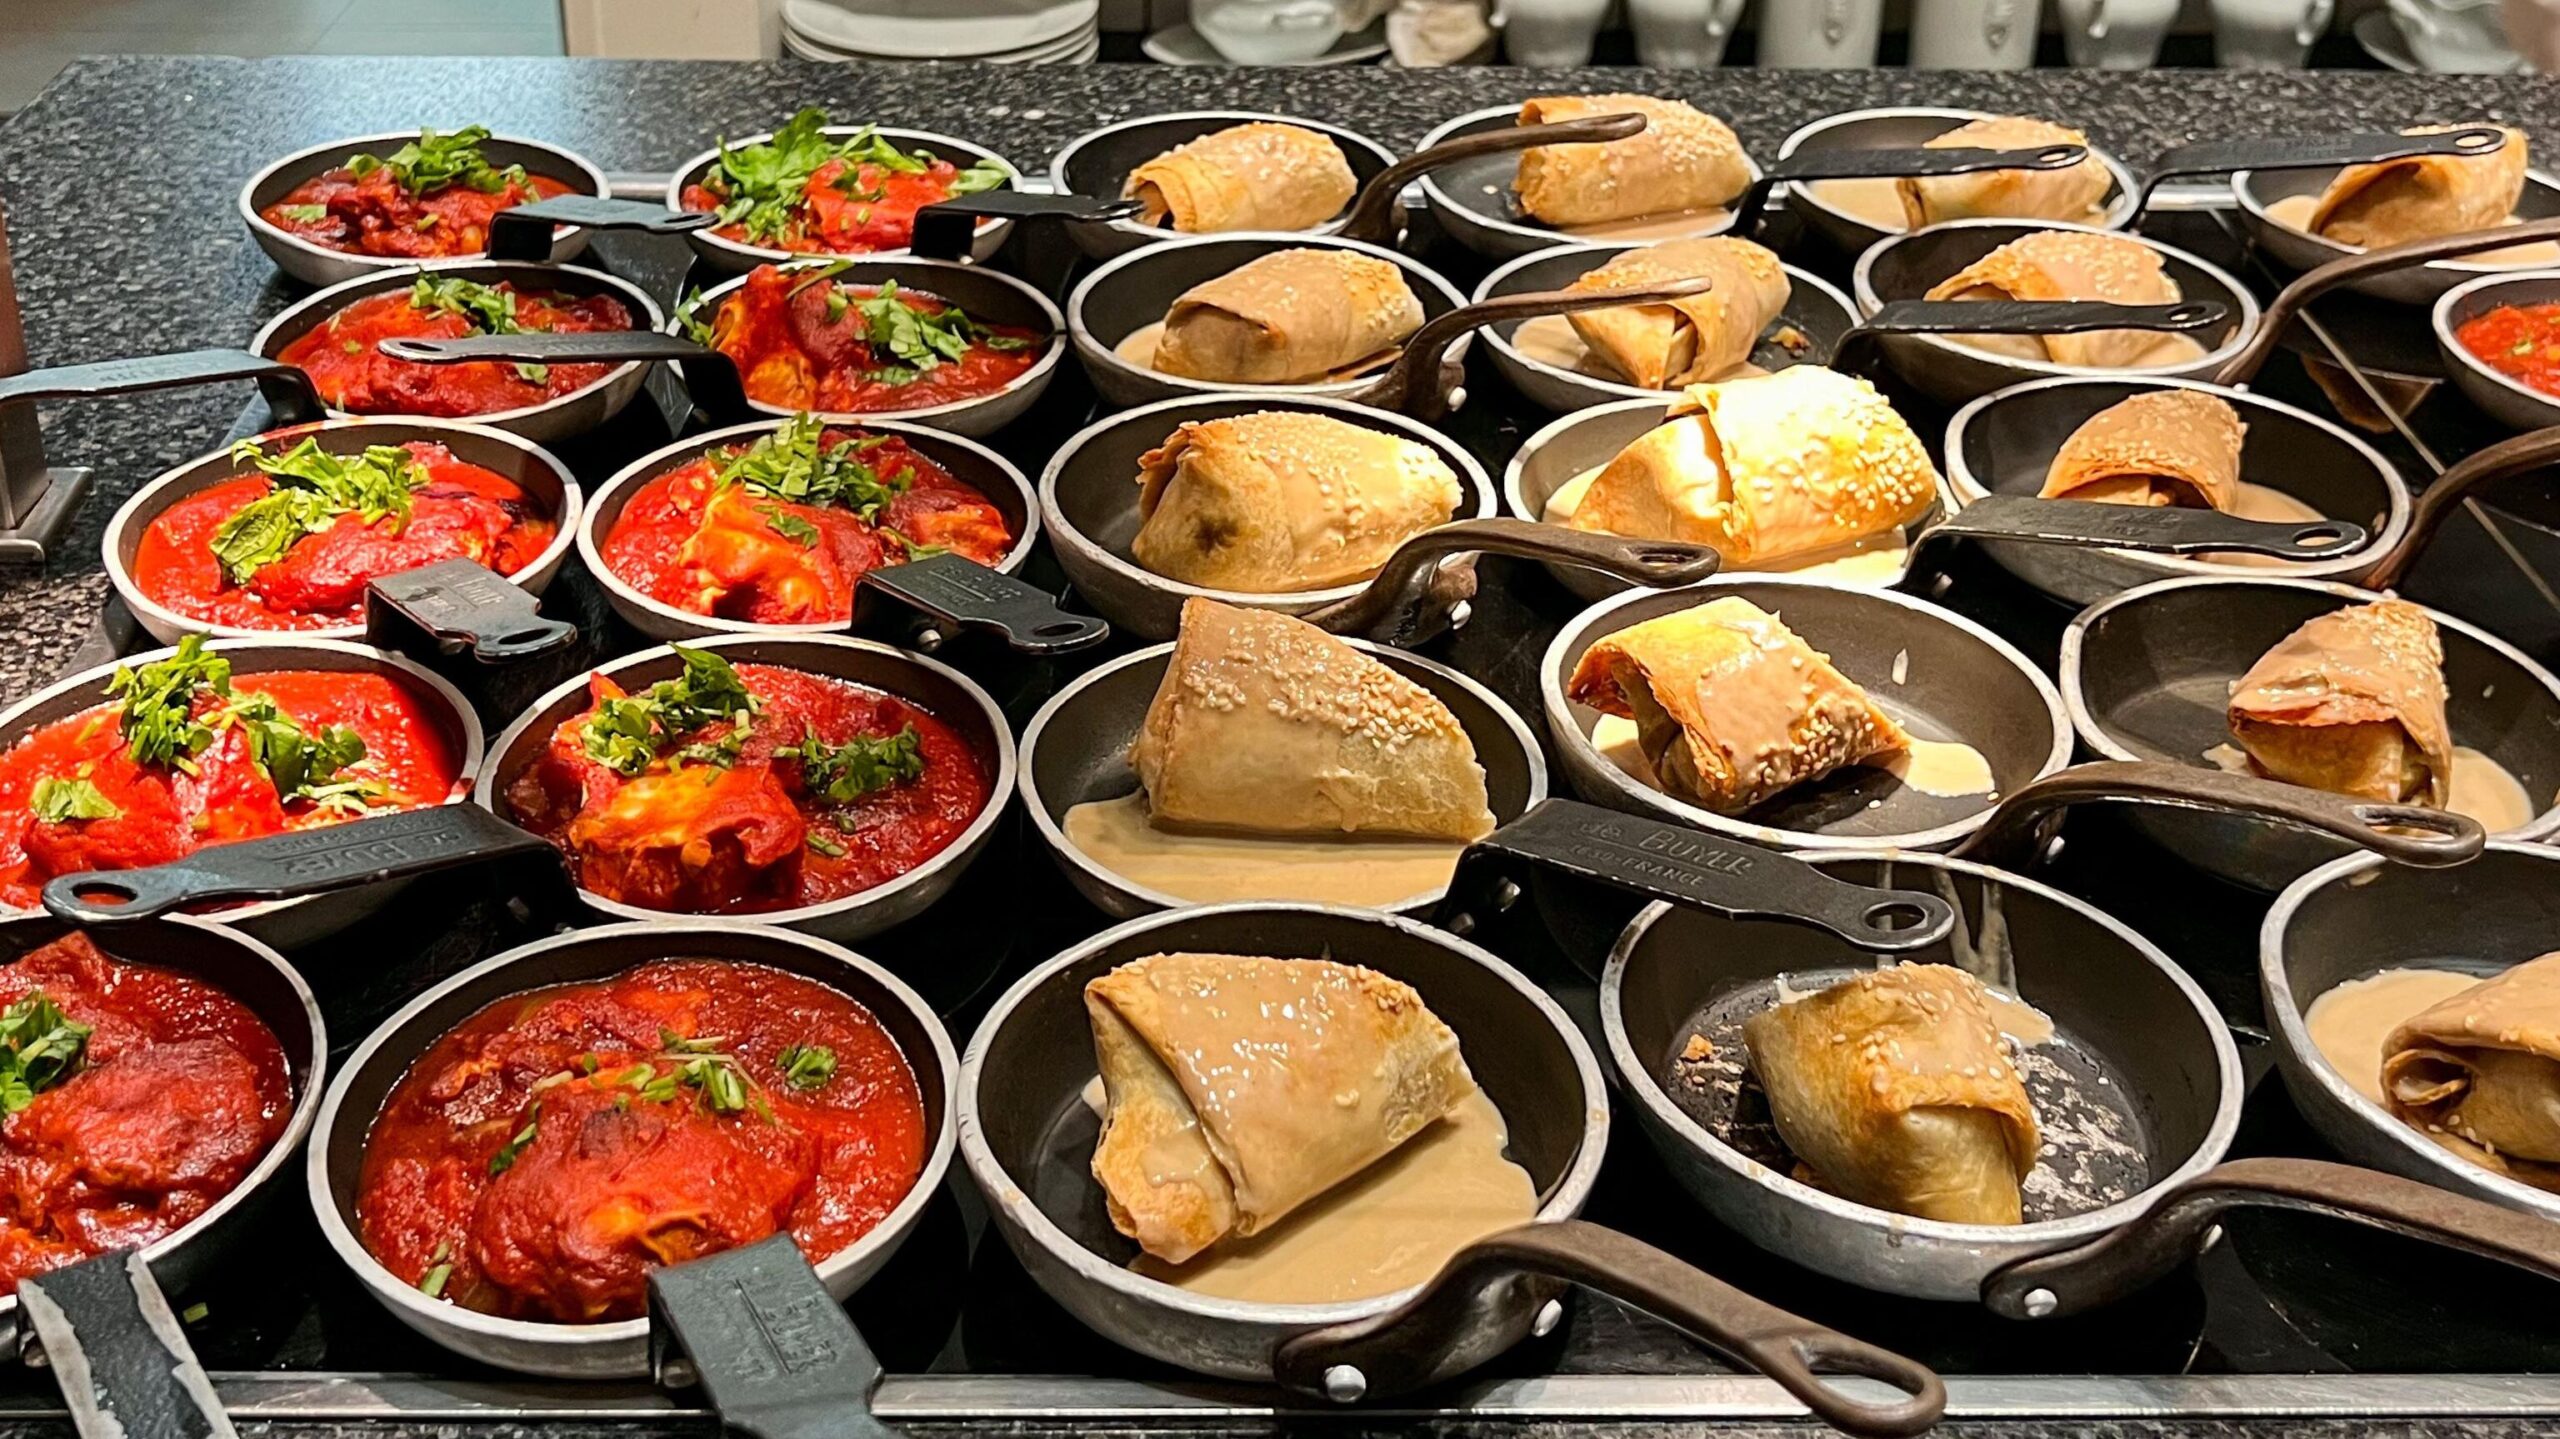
2483,1067
2159,449
1265,724
1260,176
1765,469
1237,1088
1280,501
2074,265
1897,1091
2422,196
1683,342
1289,317
2072,193
1683,159
2353,701
1730,706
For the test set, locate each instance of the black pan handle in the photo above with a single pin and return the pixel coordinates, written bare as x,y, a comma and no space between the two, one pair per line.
710,377
1423,382
2147,1248
2520,455
458,606
956,592
1857,350
125,1366
1917,162
525,231
1659,860
2293,299
948,229
310,861
290,398
1388,609
2014,834
773,1351
1398,1351
1374,217
2308,152
2163,530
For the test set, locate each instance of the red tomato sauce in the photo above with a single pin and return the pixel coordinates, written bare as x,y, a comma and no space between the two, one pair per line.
777,326
2521,342
351,375
686,542
602,1178
180,1091
751,838
832,220
375,215
169,814
465,512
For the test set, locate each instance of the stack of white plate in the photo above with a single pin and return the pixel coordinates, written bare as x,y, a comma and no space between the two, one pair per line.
1004,32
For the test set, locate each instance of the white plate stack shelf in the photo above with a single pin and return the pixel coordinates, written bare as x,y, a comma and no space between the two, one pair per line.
1003,32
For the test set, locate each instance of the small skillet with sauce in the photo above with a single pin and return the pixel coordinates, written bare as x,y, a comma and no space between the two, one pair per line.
812,188
351,207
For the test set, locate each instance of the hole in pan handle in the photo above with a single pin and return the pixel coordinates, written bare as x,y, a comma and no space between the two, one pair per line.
525,232
289,396
2307,152
1424,384
1658,860
2520,455
1392,1353
948,229
1859,349
2153,1244
2403,833
1375,217
1916,162
959,593
1391,610
2294,298
2165,530
710,377
313,861
774,1352
454,606
125,1365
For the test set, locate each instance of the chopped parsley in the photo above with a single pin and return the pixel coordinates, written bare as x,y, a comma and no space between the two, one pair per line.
56,800
797,463
763,187
434,161
807,1066
40,1047
312,487
627,734
846,772
162,725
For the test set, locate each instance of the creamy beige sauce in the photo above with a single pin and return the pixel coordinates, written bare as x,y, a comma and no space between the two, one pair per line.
1216,868
2260,502
1390,1227
2025,1024
2294,213
2350,1024
1877,201
1139,349
1946,768
1878,559
2481,787
1678,225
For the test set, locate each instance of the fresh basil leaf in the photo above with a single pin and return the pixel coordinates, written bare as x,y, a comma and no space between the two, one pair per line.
40,1047
158,715
56,800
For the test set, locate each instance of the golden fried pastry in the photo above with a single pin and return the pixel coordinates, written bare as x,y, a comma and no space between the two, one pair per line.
2160,448
2353,702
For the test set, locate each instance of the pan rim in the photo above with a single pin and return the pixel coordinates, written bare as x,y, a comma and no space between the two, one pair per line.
579,166
1156,234
2244,190
731,252
2117,216
1546,237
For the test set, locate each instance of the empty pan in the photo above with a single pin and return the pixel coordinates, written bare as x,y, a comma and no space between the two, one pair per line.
1099,163
1854,215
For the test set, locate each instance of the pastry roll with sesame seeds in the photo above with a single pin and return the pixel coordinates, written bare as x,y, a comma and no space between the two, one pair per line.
1683,342
1683,159
2353,702
1238,1087
2164,448
1767,469
2075,265
1265,724
2480,1071
1732,708
1897,1091
1259,176
1291,317
2422,196
2072,193
1280,501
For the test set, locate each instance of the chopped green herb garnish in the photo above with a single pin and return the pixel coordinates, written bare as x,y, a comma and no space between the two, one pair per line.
509,1152
846,772
915,551
433,161
788,525
807,1066
796,463
301,764
157,718
56,800
690,319
432,1285
762,188
825,843
626,734
486,308
304,214
40,1047
312,487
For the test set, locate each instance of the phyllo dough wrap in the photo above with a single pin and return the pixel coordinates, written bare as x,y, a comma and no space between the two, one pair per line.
2074,265
1682,342
1766,469
1237,1088
2483,1067
2353,701
2159,449
2424,196
1289,317
1730,706
1265,724
2071,193
1897,1091
1683,159
1258,176
1284,500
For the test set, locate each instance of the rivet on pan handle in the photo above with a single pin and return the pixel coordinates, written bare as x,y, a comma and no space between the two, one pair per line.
1392,1353
773,1351
1373,218
1687,867
1893,162
2520,455
2311,284
1391,609
948,229
2308,152
457,606
960,593
1857,351
124,1364
525,231
1423,384
290,398
710,376
2169,530
2435,838
2136,1253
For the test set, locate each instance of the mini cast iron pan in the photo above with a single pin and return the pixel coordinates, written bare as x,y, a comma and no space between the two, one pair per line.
2259,191
1906,266
1900,126
1099,163
1473,200
1941,676
288,924
2147,674
1077,750
2507,400
569,415
1815,320
736,256
707,1323
1027,1138
319,265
